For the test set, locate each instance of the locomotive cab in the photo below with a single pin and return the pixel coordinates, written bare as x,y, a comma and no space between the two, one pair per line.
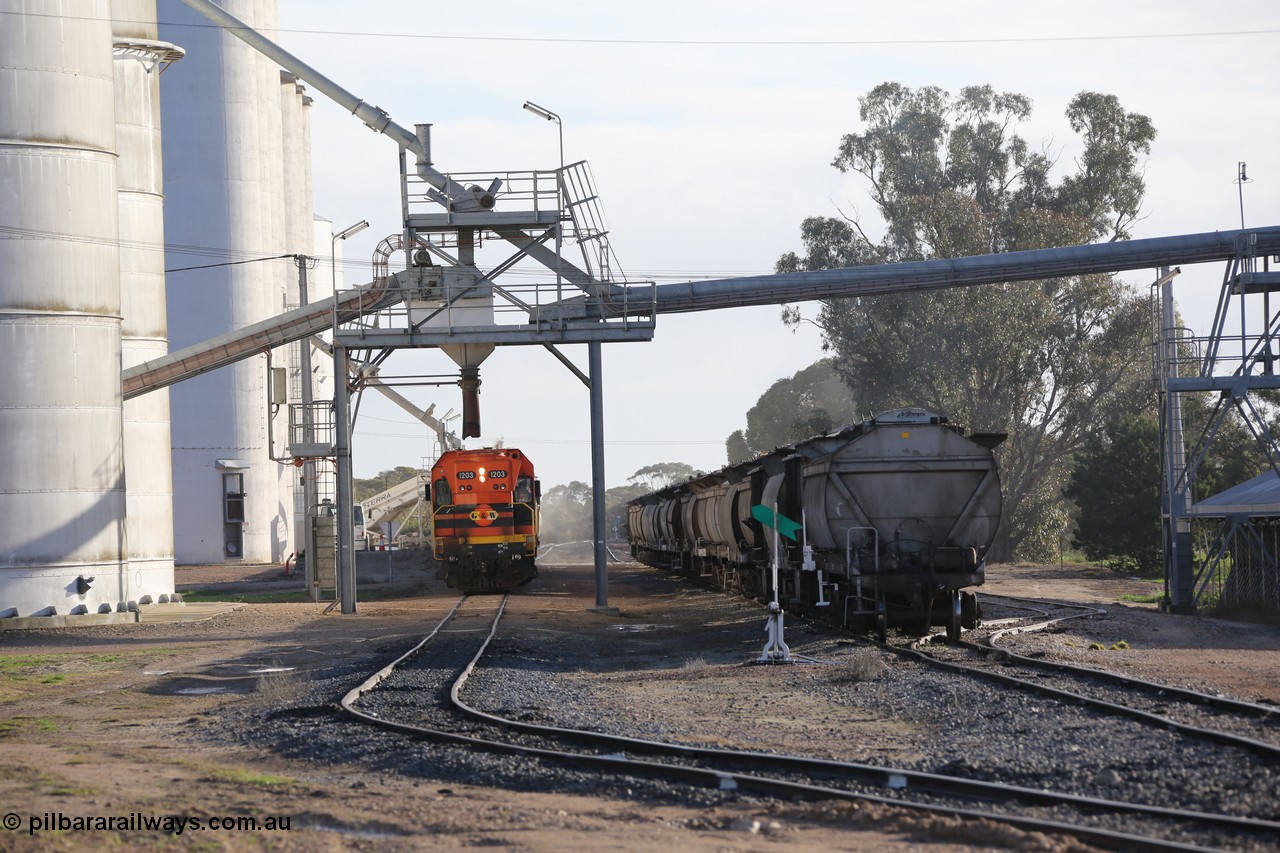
484,507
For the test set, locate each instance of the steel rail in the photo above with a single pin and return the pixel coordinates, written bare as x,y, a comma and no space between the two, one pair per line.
1257,710
1258,747
881,776
935,784
1212,700
374,680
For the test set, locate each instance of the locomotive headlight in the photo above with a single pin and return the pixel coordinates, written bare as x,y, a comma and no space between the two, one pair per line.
482,475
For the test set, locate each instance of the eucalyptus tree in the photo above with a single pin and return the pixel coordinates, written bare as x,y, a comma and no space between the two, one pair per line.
812,401
1045,361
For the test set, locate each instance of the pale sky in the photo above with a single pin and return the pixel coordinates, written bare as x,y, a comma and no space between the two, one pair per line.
710,128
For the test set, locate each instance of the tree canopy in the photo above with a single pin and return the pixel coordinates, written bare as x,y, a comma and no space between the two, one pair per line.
1045,361
366,488
662,474
566,513
1116,488
809,403
567,508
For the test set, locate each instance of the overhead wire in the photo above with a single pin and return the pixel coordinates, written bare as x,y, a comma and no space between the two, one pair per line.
232,257
669,42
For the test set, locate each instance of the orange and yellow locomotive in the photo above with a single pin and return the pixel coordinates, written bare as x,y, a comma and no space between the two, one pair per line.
484,514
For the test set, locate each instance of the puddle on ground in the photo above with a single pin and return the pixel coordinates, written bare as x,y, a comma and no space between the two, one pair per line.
635,629
195,686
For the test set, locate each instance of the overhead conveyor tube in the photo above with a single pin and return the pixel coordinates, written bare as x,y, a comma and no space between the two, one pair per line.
310,319
959,272
949,272
374,117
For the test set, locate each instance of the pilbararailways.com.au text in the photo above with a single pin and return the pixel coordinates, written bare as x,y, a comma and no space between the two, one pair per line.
141,822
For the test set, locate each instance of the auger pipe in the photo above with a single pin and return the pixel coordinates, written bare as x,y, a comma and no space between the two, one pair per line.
302,322
1028,265
374,117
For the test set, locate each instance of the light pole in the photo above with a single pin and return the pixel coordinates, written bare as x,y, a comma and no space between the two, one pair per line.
543,112
1242,178
343,467
333,249
597,394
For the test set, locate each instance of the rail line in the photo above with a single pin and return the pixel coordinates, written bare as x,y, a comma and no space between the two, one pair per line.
1175,708
762,773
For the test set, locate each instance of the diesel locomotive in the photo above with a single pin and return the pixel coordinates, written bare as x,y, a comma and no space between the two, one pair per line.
895,517
484,519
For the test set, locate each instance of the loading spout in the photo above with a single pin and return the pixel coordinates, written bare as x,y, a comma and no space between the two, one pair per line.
470,384
456,196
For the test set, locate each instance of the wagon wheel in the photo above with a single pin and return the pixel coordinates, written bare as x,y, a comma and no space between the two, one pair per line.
953,618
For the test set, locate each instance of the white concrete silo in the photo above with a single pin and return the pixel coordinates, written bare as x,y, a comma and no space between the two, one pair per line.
62,490
139,59
223,186
299,241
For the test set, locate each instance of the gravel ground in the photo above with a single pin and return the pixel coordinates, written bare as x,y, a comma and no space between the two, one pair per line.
673,665
680,671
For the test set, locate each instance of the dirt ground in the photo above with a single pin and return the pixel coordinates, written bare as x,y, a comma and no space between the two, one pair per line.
110,721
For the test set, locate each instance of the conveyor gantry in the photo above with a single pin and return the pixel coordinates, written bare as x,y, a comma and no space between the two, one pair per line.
260,337
758,290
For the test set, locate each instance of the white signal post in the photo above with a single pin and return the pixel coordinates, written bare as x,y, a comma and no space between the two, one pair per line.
808,565
775,650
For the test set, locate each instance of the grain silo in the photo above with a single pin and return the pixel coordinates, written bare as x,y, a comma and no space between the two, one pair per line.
139,59
224,213
62,487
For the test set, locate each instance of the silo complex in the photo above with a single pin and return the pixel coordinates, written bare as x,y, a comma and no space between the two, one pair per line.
62,486
225,212
139,59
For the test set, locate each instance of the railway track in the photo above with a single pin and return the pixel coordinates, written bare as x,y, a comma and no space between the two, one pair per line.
1247,725
422,694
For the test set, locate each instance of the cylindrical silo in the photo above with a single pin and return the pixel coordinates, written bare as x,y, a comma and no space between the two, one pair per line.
222,193
284,274
62,489
296,164
139,59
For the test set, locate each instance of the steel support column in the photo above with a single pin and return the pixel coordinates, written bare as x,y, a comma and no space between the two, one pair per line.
597,474
342,460
310,493
1179,565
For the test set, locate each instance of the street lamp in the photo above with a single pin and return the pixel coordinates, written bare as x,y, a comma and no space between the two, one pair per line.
543,112
1242,178
333,249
